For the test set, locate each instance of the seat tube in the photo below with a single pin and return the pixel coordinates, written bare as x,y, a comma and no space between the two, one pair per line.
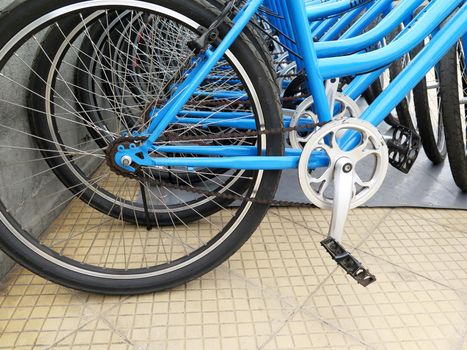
306,48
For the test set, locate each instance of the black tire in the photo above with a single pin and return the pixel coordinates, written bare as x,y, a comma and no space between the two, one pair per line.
428,111
453,87
429,115
223,237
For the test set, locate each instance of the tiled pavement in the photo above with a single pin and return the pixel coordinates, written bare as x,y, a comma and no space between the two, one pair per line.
281,291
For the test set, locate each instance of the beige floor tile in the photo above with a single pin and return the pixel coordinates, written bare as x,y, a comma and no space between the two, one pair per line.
360,222
424,247
95,335
285,253
463,343
303,331
280,291
401,310
456,219
286,259
217,311
35,313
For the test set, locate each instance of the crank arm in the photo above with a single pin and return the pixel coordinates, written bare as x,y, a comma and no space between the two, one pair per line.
343,194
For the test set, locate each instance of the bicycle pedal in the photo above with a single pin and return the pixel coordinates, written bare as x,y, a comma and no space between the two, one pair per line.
404,148
345,260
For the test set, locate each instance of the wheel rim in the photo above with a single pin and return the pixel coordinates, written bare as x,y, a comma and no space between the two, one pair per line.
120,269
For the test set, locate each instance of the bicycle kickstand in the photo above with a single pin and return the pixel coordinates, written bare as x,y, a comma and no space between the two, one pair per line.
343,193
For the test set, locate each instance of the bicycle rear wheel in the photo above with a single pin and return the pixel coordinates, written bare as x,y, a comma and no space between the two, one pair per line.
97,250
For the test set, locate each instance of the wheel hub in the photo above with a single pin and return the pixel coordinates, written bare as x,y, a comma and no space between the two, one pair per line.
124,165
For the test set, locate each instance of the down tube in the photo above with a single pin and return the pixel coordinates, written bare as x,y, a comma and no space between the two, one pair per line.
435,50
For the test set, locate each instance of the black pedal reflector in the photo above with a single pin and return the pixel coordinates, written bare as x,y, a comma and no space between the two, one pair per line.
345,260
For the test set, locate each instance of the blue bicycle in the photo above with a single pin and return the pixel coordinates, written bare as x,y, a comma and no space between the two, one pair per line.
175,153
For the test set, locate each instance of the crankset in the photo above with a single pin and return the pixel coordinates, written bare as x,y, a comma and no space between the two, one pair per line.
349,180
345,108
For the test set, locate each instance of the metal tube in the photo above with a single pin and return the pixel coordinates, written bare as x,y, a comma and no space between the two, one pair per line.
425,24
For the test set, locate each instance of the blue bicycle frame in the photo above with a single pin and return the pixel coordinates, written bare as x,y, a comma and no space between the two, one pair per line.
317,69
355,89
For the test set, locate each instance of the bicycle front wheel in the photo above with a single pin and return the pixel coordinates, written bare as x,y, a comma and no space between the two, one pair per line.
54,153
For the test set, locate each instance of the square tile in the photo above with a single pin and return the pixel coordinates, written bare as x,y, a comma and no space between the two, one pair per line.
401,310
435,251
285,254
218,310
33,315
305,332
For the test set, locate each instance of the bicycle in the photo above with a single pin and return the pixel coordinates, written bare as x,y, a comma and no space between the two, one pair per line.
202,230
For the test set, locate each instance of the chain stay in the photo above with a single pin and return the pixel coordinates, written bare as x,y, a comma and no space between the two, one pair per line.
168,137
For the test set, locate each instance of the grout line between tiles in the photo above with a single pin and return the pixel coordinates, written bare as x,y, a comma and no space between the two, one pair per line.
448,226
457,291
117,331
303,307
297,223
58,341
463,337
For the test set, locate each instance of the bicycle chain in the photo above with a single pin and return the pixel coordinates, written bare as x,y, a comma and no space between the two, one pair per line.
169,137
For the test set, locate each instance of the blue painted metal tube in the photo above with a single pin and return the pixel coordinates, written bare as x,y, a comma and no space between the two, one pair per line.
360,63
286,24
330,8
314,25
243,124
240,163
240,123
306,47
232,95
379,7
324,27
433,52
278,22
190,85
359,84
464,46
228,80
217,115
336,30
222,151
227,151
354,44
